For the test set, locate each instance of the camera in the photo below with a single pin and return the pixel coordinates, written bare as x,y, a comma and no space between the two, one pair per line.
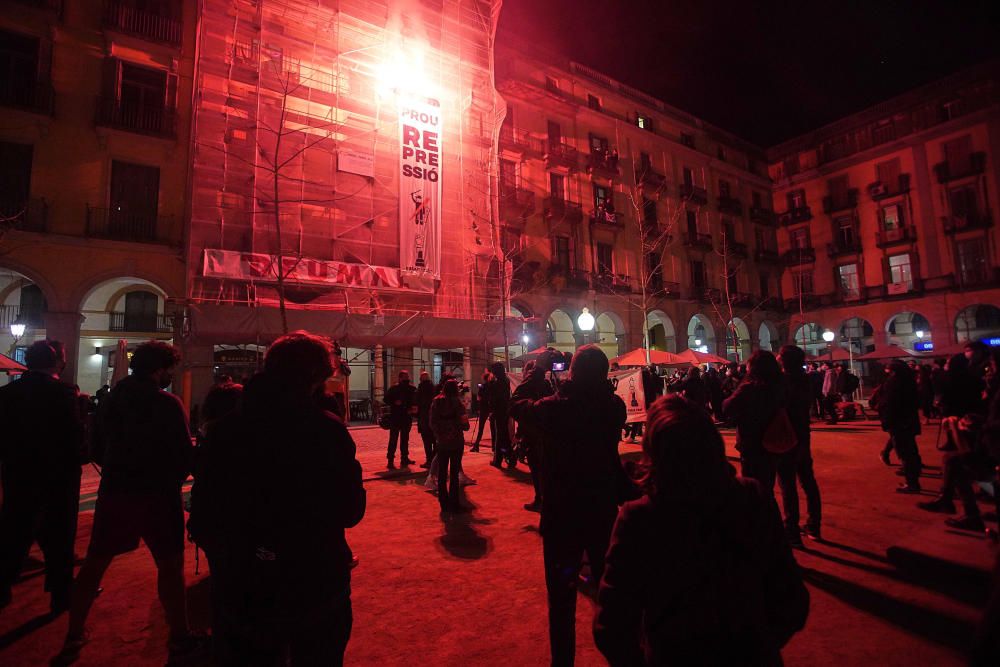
554,360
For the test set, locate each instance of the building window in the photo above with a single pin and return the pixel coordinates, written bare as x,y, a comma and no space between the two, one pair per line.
847,235
554,132
560,252
888,173
605,259
688,176
594,102
799,238
962,202
796,199
699,279
847,276
134,202
551,84
900,272
767,239
602,197
755,199
733,283
802,283
137,98
508,176
720,152
649,211
32,307
599,146
692,223
140,311
971,261
15,180
510,242
687,139
557,186
724,188
643,122
958,153
18,69
892,217
728,232
763,281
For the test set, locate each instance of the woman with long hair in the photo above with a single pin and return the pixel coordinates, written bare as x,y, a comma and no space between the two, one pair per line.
699,571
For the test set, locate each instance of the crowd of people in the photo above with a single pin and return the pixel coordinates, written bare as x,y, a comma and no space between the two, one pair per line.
688,561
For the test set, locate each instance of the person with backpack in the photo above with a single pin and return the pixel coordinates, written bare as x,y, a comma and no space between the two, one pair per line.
276,486
698,571
755,405
847,383
449,422
897,408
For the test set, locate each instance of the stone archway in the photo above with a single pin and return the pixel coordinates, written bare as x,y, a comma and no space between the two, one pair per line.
560,331
609,333
22,302
738,344
857,335
661,331
768,337
977,322
701,333
809,337
908,330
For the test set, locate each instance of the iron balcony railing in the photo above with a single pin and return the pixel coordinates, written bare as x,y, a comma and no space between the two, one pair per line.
557,208
898,235
849,200
560,154
139,322
730,205
519,140
764,216
124,17
11,313
155,120
34,95
795,215
122,225
698,240
972,165
797,256
958,223
693,193
24,215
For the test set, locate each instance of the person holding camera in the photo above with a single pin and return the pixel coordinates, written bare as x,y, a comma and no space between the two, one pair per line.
535,387
582,484
449,422
401,399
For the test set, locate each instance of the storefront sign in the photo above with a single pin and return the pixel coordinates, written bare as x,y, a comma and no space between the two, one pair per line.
263,268
923,346
420,130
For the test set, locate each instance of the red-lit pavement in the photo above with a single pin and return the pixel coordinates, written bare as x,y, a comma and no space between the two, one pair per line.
470,590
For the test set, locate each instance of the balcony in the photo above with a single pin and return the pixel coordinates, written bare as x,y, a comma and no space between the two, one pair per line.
730,205
25,216
772,303
795,215
663,288
846,202
985,277
797,256
11,313
762,216
33,96
117,225
560,155
139,323
603,164
698,240
609,219
123,17
736,249
692,193
897,236
519,141
557,209
156,121
803,301
955,223
649,177
842,247
611,283
741,299
516,204
949,171
705,294
879,190
563,278
767,256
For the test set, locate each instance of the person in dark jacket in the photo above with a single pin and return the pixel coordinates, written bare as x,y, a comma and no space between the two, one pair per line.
798,463
693,387
401,399
41,454
499,393
276,486
449,423
147,456
698,572
752,407
425,396
925,390
713,387
897,409
581,484
485,412
534,387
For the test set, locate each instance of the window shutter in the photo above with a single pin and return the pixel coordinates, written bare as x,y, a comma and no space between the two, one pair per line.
111,78
572,252
171,96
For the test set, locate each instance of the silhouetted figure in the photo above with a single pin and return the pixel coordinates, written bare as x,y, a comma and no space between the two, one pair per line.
40,451
534,387
222,399
485,411
426,391
499,393
449,423
581,485
401,399
752,407
897,408
693,387
146,457
276,485
798,463
698,572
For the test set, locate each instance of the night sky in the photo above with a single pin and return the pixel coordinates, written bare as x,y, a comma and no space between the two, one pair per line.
766,70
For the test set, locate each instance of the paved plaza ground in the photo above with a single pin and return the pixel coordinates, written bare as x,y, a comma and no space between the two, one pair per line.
890,585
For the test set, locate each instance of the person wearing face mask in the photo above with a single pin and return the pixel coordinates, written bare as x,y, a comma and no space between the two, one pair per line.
147,455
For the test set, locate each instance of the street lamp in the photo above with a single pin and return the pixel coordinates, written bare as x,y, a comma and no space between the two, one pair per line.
585,321
17,328
525,339
828,336
919,334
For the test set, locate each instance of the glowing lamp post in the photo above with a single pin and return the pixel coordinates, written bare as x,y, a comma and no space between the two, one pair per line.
17,330
586,323
828,336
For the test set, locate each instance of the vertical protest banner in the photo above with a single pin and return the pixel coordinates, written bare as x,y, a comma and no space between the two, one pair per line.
420,129
628,386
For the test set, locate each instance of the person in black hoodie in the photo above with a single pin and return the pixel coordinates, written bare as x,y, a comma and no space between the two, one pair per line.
752,407
401,399
146,457
698,572
534,387
897,408
276,486
426,391
798,463
499,393
41,456
582,478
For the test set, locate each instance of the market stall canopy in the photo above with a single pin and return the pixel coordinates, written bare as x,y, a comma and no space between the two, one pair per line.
233,325
637,357
696,358
9,366
839,354
890,352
